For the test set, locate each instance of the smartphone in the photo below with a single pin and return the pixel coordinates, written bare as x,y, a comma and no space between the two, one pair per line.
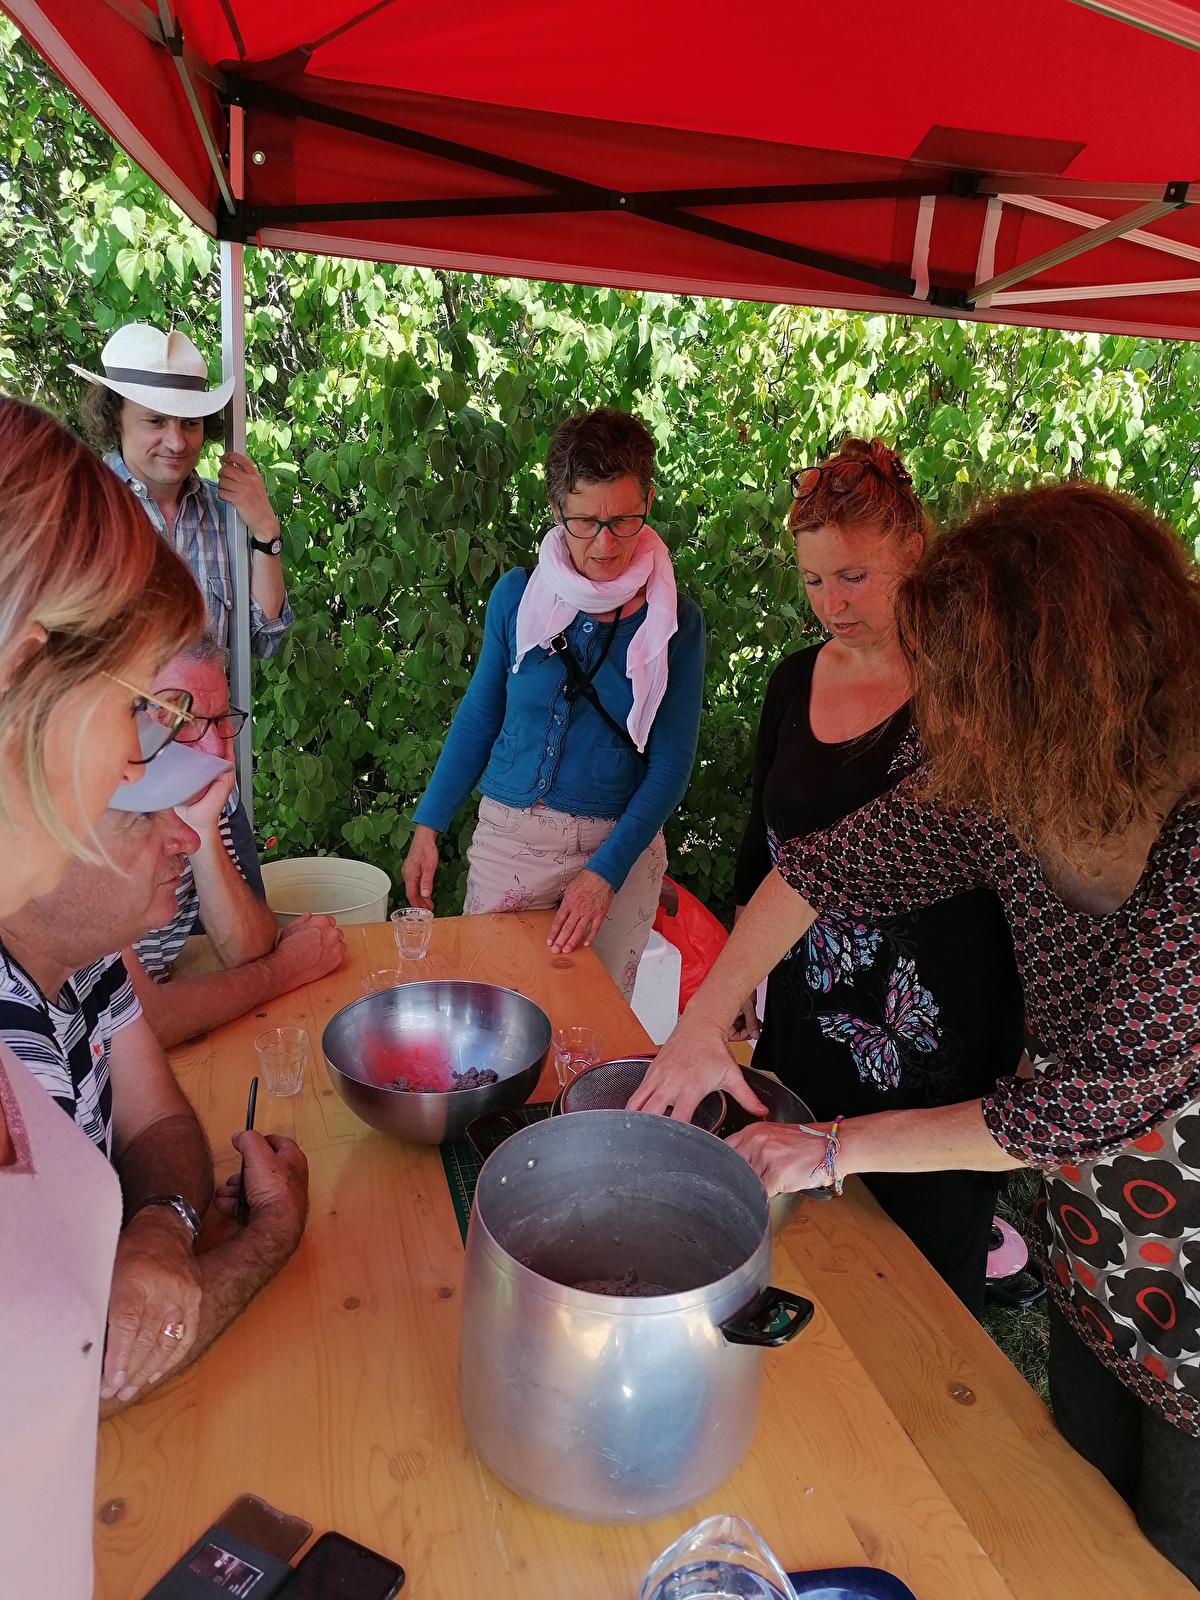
244,1554
338,1569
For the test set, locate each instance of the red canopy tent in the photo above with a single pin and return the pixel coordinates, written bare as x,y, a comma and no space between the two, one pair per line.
1028,163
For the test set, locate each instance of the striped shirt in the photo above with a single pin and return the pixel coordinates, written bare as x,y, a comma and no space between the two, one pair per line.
159,949
66,1044
199,536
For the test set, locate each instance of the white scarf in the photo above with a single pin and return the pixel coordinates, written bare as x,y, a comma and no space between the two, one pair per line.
556,593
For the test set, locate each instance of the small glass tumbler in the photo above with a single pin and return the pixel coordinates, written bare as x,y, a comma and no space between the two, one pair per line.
412,928
574,1049
382,978
281,1055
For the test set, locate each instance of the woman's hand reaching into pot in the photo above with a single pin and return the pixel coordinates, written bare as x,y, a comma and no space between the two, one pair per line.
694,1061
784,1158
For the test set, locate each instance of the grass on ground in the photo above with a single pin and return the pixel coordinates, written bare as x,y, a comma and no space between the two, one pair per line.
1024,1336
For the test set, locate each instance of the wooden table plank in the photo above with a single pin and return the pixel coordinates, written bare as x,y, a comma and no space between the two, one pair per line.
336,1395
1049,1521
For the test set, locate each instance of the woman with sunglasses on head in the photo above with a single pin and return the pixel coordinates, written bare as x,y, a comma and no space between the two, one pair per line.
91,600
1055,643
862,1015
581,718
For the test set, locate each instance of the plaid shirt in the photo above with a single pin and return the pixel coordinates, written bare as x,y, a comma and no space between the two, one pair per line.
199,537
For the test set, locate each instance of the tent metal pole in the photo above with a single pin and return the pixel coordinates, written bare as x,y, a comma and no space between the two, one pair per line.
233,363
1116,229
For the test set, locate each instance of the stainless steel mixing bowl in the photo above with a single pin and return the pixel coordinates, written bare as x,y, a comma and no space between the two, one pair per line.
445,1022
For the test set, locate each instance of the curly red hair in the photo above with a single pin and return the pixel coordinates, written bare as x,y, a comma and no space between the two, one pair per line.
1055,642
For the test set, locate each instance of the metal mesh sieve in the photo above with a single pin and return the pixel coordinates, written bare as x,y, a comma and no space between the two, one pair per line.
608,1086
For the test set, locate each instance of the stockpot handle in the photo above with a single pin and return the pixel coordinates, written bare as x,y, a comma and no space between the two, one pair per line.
490,1120
758,1323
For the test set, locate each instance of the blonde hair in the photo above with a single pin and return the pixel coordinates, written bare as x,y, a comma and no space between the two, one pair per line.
80,559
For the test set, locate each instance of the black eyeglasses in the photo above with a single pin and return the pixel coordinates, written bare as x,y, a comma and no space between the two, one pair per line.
228,725
845,475
627,526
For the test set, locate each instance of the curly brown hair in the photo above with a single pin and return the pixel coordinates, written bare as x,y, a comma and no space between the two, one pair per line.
883,495
1055,643
100,419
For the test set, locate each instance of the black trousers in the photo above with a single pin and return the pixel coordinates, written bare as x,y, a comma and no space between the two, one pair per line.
1153,1466
948,1216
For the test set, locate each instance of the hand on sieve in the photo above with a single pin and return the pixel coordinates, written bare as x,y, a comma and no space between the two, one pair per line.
694,1061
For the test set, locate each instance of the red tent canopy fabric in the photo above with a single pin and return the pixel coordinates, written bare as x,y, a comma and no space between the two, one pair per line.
1029,162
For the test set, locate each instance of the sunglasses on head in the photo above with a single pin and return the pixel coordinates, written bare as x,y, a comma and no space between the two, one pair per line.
846,473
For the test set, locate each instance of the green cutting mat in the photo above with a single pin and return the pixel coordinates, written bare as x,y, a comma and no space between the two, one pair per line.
461,1165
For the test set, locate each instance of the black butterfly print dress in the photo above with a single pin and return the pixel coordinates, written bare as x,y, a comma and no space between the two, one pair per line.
875,1014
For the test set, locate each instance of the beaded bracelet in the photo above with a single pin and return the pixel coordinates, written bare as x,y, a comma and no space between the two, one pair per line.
828,1164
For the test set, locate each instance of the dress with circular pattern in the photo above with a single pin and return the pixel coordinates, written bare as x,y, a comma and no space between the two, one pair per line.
1112,1112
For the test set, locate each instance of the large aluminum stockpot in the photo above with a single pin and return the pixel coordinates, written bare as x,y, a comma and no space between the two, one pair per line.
615,1313
443,1025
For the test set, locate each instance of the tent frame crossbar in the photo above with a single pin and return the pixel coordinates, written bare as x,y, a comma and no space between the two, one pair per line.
566,194
673,208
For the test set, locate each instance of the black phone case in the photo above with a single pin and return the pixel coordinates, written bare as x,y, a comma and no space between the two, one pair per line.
220,1566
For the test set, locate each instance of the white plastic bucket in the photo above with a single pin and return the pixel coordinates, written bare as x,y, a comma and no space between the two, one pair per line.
349,891
655,1001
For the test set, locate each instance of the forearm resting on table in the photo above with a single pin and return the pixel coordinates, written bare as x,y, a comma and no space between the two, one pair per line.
168,1156
768,927
930,1139
183,1008
231,1274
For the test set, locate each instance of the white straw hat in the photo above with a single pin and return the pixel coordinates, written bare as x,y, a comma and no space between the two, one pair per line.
163,371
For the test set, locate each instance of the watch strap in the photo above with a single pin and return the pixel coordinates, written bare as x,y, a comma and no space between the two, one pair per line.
182,1208
269,547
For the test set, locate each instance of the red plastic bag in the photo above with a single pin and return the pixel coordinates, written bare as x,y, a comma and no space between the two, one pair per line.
695,933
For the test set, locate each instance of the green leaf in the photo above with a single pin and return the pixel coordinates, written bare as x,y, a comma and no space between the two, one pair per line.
129,268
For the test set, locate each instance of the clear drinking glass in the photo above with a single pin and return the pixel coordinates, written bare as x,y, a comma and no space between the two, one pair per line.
574,1049
721,1558
281,1055
412,928
382,978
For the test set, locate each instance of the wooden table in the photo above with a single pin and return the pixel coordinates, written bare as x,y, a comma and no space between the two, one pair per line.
892,1432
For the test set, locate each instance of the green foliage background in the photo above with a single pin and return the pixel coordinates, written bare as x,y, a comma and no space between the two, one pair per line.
400,417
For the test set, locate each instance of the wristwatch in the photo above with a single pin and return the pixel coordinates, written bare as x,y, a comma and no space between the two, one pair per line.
269,547
182,1208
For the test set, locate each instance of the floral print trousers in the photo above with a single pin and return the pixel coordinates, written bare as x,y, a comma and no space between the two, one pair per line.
524,859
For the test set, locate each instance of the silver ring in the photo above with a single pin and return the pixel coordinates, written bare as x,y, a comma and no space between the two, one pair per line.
173,1330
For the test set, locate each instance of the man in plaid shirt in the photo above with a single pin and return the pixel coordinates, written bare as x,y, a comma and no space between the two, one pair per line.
147,411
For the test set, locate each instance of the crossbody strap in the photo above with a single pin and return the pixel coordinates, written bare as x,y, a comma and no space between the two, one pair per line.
580,683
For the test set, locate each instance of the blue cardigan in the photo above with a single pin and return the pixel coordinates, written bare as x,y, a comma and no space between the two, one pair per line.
519,732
